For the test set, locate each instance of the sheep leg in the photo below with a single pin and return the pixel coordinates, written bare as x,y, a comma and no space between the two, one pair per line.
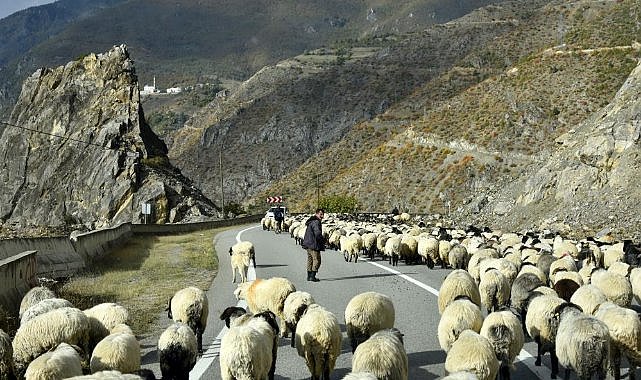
272,369
504,372
555,363
567,374
615,363
539,352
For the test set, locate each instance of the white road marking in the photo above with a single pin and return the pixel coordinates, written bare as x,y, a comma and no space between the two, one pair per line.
524,357
213,351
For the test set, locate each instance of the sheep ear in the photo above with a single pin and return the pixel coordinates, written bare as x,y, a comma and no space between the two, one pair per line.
270,318
300,311
168,308
230,251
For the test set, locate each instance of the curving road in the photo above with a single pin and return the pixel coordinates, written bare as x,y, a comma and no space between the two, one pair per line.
414,290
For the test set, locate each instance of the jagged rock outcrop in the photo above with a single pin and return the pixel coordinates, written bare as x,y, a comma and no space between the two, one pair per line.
78,151
592,182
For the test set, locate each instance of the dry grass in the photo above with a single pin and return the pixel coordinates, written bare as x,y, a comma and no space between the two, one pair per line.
144,273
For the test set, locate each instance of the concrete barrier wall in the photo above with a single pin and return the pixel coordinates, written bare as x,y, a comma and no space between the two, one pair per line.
65,256
17,276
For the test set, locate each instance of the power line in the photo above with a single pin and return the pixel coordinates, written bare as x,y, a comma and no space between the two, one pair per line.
58,136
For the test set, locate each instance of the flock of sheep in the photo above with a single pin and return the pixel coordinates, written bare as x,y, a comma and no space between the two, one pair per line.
249,348
573,298
58,341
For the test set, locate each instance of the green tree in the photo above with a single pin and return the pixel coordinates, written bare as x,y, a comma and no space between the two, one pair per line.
339,203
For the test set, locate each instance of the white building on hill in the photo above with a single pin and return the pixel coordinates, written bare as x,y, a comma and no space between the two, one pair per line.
150,90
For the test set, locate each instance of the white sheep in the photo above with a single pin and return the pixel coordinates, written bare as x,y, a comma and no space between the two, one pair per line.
117,351
427,248
350,247
46,331
44,306
566,283
367,313
542,327
360,376
177,351
582,342
505,266
615,287
109,314
625,333
409,249
461,375
494,289
457,283
588,298
393,249
246,248
472,353
61,363
474,265
458,257
33,296
248,350
612,254
191,306
267,294
383,355
620,268
521,291
460,315
318,340
6,356
108,375
295,305
369,244
503,330
635,282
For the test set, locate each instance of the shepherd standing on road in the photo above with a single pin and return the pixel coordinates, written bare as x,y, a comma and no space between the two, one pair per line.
314,243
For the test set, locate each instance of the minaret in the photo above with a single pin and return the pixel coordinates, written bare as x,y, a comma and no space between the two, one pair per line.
154,83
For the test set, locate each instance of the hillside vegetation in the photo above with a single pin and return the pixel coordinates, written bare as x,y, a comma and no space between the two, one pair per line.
486,120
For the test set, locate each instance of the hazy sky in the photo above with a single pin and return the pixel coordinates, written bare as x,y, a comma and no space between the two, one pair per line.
8,7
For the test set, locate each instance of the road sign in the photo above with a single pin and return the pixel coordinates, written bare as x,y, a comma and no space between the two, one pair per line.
278,199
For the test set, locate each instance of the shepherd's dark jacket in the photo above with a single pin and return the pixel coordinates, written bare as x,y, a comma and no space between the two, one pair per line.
314,234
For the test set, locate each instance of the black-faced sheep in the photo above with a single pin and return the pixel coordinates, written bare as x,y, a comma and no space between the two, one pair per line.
177,351
267,294
318,340
61,363
295,305
191,306
367,313
248,350
383,355
472,353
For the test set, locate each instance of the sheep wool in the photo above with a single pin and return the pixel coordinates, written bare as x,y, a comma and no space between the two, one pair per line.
542,326
635,282
108,375
615,287
457,283
494,289
6,356
33,296
44,306
360,376
582,344
118,351
191,306
504,332
48,330
625,333
61,363
383,355
295,304
588,298
267,294
367,313
318,340
248,350
177,351
472,353
109,314
458,316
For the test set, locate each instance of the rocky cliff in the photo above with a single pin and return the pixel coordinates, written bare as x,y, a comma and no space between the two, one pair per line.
591,183
77,151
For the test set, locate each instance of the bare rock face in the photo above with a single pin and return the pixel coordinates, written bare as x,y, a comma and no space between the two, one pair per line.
593,181
78,151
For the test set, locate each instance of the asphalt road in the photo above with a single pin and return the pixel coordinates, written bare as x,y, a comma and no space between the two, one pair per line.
414,290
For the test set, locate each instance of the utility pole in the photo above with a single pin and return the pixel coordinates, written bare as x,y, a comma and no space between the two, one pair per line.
317,191
222,190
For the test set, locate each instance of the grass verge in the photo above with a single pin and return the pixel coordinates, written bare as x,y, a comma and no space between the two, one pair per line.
144,273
